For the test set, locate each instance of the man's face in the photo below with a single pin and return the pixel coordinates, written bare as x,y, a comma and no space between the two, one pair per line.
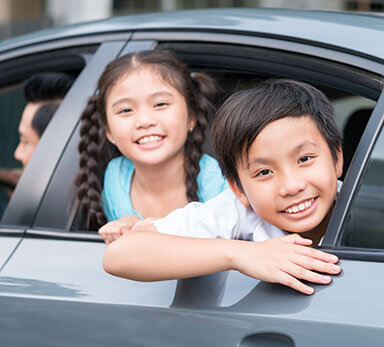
290,177
28,137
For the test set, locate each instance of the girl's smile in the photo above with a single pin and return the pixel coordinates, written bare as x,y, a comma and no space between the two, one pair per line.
152,113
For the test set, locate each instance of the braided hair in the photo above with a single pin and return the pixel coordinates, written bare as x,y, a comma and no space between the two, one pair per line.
200,92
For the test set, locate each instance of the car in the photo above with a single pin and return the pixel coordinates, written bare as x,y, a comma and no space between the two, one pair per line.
53,290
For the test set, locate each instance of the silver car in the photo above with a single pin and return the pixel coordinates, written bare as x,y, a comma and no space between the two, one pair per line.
53,290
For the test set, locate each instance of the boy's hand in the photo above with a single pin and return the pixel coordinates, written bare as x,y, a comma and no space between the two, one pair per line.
286,260
113,230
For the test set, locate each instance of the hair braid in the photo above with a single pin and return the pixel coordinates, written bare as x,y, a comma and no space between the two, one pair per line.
88,180
205,91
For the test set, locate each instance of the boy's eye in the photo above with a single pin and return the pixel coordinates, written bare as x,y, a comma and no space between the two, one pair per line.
264,172
161,104
305,158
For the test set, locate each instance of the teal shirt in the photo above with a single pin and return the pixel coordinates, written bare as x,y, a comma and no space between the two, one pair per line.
118,178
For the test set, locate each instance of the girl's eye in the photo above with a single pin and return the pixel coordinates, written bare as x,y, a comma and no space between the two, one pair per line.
305,159
124,110
264,172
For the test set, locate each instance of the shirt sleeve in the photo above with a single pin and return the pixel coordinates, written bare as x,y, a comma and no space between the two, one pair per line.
217,218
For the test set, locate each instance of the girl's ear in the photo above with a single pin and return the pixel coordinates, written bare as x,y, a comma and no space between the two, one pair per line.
239,193
339,162
109,137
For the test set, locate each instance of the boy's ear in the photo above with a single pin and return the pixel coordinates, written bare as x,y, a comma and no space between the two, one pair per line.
339,162
239,193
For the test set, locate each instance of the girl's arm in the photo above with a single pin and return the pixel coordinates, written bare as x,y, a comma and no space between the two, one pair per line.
146,255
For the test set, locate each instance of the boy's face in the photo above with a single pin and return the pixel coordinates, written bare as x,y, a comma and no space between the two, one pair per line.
290,177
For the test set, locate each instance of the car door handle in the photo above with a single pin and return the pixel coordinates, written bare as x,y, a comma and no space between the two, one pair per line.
267,339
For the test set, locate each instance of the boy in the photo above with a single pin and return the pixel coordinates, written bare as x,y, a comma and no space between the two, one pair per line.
280,150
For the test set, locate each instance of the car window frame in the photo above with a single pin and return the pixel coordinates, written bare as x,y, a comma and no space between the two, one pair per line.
310,51
350,189
23,205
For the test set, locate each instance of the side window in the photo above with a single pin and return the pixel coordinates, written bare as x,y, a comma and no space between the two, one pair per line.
365,226
11,105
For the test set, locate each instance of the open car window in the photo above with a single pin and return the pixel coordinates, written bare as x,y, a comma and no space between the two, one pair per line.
364,225
12,102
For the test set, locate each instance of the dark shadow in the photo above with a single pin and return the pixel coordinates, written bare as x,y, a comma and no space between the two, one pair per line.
352,133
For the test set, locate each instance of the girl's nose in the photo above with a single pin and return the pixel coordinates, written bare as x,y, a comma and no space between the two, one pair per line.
291,184
145,119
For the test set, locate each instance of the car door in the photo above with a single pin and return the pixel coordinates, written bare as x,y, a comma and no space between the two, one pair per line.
54,278
241,311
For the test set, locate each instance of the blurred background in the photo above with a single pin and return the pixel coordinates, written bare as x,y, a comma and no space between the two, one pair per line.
22,16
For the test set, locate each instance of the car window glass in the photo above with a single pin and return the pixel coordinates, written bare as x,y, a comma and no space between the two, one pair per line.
365,227
11,105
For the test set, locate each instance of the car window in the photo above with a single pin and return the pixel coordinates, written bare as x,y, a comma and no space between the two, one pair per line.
365,227
11,105
236,70
12,102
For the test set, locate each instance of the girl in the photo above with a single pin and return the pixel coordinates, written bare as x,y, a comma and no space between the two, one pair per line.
154,112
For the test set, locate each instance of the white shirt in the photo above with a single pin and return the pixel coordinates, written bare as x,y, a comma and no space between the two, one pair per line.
224,216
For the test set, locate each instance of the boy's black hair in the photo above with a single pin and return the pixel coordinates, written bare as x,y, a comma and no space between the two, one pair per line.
47,86
43,116
245,114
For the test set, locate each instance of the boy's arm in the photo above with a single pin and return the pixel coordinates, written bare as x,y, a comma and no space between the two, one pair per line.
146,255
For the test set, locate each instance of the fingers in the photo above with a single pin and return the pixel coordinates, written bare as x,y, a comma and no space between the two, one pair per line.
142,223
316,254
294,283
293,273
296,239
110,235
111,232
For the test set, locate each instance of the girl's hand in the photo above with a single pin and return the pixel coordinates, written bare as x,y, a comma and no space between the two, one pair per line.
113,230
286,260
142,223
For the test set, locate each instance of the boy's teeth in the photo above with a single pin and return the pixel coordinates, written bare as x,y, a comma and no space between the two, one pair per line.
148,139
300,207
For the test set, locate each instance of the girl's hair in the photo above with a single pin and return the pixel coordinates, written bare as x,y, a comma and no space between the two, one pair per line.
200,92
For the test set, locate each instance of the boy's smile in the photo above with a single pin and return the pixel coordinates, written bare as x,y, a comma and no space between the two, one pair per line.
290,177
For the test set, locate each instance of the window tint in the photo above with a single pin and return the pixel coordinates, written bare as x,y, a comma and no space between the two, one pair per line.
365,225
11,106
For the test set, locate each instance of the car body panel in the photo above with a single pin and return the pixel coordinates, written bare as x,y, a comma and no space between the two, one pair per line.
355,32
72,270
7,246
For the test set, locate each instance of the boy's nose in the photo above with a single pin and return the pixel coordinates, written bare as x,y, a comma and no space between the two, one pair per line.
291,185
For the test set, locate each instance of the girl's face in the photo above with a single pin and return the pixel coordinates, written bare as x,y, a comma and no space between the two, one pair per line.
147,118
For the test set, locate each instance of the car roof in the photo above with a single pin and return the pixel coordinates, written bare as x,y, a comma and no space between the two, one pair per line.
346,31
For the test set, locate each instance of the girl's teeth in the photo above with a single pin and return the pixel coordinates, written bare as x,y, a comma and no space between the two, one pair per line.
147,139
